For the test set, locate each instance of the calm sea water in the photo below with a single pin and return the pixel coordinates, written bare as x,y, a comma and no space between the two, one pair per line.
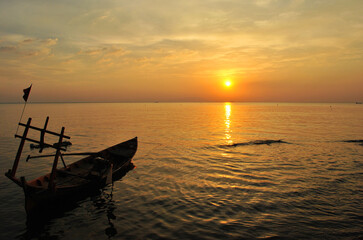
189,182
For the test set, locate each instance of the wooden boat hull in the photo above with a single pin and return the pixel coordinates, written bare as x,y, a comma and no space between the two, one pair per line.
76,180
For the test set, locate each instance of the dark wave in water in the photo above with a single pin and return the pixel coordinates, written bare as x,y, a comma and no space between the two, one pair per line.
354,141
360,142
256,142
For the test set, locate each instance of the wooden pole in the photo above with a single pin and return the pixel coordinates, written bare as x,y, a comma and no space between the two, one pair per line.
64,163
20,149
42,133
55,163
21,116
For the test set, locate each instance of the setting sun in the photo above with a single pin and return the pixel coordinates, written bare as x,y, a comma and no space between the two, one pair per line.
227,83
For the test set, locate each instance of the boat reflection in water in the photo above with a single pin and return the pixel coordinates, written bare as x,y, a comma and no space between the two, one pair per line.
39,223
105,201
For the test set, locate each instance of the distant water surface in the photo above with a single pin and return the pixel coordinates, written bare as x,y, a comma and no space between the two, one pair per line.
203,171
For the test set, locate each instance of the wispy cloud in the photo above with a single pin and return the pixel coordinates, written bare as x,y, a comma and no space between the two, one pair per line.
181,44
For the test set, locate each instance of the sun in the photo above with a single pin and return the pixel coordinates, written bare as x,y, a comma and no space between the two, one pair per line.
227,83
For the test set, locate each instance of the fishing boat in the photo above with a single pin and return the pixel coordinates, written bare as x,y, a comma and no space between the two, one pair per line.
80,178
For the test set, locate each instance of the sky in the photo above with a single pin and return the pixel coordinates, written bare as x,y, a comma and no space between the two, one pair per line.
168,50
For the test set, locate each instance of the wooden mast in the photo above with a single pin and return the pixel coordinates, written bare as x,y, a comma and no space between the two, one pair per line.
20,149
55,163
42,133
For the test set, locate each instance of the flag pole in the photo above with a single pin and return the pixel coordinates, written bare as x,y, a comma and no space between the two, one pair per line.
25,97
20,118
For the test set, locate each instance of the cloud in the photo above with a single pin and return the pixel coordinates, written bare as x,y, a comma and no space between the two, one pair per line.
27,41
104,51
175,41
28,47
7,49
263,3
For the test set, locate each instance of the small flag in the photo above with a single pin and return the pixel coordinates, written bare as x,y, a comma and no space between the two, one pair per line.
27,92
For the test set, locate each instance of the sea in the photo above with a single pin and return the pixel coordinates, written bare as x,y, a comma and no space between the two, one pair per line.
202,171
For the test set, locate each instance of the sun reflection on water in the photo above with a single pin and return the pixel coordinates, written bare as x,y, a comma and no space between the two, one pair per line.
227,123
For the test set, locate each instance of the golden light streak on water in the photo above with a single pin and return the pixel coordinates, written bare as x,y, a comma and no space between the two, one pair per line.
227,122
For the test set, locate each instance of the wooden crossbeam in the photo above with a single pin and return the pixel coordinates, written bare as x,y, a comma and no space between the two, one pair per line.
64,154
46,131
44,144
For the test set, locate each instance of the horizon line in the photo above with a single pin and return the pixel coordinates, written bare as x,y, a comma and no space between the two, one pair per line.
353,102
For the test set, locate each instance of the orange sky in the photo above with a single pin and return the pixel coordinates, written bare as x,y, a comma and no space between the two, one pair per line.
111,51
